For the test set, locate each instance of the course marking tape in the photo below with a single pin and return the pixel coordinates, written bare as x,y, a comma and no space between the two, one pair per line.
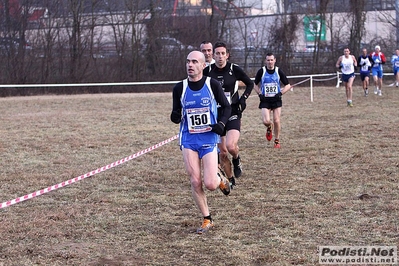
324,79
300,82
81,177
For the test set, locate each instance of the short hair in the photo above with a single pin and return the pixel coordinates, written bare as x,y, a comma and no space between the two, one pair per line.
220,44
270,54
206,42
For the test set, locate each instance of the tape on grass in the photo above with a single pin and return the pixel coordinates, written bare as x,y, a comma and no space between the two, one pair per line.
81,177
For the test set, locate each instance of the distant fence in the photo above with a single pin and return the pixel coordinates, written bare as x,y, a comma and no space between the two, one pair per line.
311,78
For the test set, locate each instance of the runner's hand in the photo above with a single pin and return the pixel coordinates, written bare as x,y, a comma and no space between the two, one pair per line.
243,103
218,128
175,116
262,97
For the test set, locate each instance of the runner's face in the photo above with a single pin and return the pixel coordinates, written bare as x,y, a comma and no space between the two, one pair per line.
206,49
270,61
195,64
221,57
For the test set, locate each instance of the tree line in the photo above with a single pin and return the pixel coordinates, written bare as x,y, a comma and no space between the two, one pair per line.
74,43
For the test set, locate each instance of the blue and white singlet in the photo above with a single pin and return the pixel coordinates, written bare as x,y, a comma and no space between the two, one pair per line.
199,112
270,83
376,57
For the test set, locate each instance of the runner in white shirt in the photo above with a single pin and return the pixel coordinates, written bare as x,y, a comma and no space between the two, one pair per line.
347,63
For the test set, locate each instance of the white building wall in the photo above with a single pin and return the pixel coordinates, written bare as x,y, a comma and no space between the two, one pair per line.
242,31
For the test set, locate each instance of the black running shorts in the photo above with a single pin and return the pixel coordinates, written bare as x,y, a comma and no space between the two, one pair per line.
271,104
234,122
363,75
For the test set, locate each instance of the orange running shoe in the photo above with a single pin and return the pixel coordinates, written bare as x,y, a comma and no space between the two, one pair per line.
224,182
206,225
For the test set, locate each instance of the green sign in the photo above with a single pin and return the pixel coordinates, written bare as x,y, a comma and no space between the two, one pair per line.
315,28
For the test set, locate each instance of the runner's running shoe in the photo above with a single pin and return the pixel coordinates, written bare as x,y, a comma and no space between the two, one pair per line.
232,181
366,92
379,93
350,104
277,144
375,90
206,225
237,167
269,134
224,182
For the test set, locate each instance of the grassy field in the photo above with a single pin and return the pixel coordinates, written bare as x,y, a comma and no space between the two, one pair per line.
333,182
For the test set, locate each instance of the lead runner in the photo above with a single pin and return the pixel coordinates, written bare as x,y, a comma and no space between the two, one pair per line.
195,103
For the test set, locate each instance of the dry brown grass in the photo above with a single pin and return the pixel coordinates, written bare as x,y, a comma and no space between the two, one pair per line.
286,204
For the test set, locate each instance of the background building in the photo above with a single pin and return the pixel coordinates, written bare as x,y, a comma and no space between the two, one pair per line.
113,40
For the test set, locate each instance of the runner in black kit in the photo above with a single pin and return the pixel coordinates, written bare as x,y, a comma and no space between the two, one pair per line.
228,75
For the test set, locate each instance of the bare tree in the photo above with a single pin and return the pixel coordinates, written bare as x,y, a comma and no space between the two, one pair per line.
136,39
152,34
44,38
244,30
357,28
282,36
212,34
14,23
77,66
391,19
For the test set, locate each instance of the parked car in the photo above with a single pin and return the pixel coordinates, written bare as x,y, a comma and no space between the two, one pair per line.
168,44
171,44
6,43
310,48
